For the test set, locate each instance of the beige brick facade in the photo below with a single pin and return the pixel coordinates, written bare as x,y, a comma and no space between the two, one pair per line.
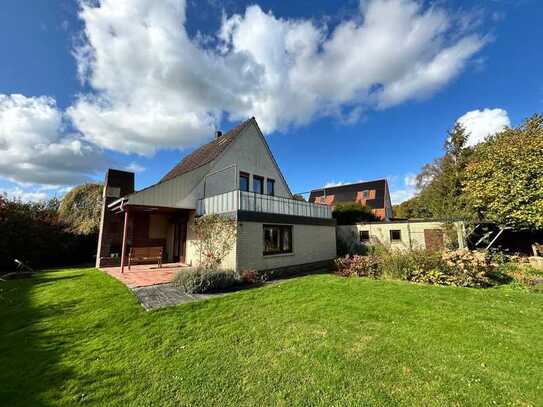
310,244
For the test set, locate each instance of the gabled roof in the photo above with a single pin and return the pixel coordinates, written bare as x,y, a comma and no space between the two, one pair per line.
207,153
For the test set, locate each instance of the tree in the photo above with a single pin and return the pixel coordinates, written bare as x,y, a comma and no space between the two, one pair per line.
352,212
80,209
412,208
504,179
440,182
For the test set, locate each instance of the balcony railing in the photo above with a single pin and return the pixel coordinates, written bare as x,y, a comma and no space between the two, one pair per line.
249,201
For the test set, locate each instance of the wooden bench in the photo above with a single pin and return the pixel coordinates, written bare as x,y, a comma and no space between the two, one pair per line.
145,254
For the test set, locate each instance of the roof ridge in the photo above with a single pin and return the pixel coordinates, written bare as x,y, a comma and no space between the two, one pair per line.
349,184
206,152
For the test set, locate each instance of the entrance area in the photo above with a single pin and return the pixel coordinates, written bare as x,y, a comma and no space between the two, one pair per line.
131,233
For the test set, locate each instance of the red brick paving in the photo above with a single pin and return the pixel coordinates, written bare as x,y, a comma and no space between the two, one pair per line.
145,275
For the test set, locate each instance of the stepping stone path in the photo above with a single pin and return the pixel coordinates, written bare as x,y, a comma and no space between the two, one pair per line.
165,295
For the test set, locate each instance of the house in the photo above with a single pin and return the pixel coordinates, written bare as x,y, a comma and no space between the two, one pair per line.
236,175
374,194
404,235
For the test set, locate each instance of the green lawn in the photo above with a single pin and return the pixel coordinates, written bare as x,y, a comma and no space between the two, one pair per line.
79,337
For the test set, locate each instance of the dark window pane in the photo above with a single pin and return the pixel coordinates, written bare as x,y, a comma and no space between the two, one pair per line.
364,235
286,235
277,239
270,187
244,181
395,235
258,184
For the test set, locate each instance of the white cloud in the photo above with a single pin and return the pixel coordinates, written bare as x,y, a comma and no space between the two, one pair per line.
135,167
331,184
27,196
35,148
401,195
482,123
404,192
410,180
155,87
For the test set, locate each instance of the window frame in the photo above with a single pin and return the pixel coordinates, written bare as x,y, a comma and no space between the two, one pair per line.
391,233
247,176
360,236
280,229
268,182
258,178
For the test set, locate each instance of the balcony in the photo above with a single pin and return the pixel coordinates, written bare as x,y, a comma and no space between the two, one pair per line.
252,202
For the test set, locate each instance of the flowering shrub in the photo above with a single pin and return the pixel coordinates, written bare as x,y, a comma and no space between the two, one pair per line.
251,276
461,268
361,266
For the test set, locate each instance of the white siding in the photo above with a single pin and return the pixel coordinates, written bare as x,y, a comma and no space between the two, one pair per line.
180,192
248,153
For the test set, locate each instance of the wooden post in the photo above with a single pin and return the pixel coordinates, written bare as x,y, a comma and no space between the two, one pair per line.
125,232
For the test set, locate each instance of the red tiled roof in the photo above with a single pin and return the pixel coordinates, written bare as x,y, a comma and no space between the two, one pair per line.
206,153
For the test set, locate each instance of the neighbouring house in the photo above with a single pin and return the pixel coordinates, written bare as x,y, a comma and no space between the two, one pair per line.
373,194
405,234
236,175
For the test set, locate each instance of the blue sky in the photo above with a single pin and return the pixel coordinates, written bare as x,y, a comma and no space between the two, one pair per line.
339,90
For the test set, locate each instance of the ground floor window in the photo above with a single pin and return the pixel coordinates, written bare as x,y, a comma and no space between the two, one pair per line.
395,235
277,239
364,235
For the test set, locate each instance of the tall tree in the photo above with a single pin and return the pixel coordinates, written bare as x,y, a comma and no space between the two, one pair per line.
80,209
504,179
440,182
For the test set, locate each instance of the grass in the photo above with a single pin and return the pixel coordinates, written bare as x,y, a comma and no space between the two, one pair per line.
79,337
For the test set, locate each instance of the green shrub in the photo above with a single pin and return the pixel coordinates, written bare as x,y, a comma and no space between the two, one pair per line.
457,268
32,233
202,280
352,212
524,276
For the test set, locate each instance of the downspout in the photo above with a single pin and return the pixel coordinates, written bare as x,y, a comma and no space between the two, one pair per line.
409,234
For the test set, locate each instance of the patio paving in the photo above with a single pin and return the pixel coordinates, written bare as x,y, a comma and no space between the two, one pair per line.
144,275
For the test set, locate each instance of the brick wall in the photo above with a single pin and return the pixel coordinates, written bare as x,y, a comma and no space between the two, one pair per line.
117,184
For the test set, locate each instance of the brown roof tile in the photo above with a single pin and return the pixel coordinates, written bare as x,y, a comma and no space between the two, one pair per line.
206,153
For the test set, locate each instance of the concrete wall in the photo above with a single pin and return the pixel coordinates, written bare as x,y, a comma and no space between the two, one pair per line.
248,153
310,243
412,233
